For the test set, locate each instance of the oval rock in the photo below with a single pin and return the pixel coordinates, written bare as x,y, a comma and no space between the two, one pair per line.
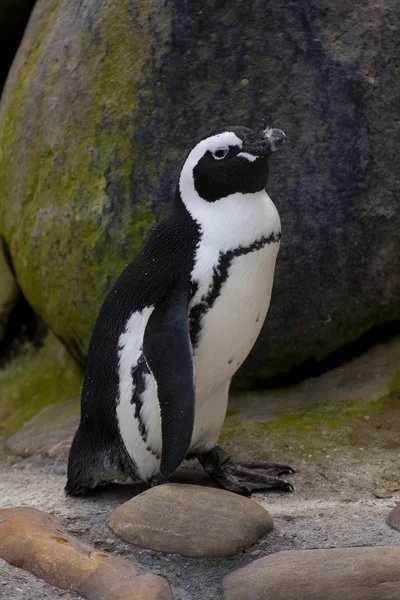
331,574
190,520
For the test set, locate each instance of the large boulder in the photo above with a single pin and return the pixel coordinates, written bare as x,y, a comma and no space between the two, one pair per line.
105,99
77,207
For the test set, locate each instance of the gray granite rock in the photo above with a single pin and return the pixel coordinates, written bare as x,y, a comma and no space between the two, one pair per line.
190,520
330,574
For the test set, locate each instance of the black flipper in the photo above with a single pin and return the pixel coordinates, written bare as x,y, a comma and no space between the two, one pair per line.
169,355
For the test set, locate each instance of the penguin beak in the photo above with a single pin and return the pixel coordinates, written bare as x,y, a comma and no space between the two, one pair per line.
275,138
262,143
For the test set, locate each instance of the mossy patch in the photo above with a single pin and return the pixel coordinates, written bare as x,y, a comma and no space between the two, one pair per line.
35,379
314,431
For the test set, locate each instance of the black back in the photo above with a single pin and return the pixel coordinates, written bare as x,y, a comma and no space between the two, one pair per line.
147,280
164,263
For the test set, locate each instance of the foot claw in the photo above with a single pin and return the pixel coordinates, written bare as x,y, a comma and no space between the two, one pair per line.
290,470
271,469
286,471
289,487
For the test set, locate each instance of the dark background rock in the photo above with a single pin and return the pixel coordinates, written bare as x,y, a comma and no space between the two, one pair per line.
14,15
105,101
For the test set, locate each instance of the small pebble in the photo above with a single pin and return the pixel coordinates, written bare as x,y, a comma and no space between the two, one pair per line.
382,493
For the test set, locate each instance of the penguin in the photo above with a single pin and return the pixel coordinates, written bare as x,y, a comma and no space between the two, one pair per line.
180,320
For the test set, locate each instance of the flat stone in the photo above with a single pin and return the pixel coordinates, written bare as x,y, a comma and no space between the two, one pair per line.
381,492
50,432
332,574
37,542
190,520
394,517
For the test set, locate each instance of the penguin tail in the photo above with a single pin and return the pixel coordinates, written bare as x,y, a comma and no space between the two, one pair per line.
90,465
83,471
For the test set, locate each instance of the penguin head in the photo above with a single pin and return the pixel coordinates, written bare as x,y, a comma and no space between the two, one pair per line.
234,161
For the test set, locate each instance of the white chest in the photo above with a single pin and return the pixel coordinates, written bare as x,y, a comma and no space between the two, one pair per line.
233,272
230,327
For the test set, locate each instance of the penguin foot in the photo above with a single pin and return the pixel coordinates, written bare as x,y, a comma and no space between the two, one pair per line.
244,477
158,480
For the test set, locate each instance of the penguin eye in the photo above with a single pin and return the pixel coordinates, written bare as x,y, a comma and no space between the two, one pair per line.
220,153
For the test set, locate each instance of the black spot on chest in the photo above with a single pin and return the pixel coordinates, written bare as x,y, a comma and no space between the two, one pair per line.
220,275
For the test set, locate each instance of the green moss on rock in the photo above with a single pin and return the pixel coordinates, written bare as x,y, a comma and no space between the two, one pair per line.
35,379
299,432
71,213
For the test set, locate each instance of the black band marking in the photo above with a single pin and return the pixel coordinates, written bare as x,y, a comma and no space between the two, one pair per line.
138,373
220,275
